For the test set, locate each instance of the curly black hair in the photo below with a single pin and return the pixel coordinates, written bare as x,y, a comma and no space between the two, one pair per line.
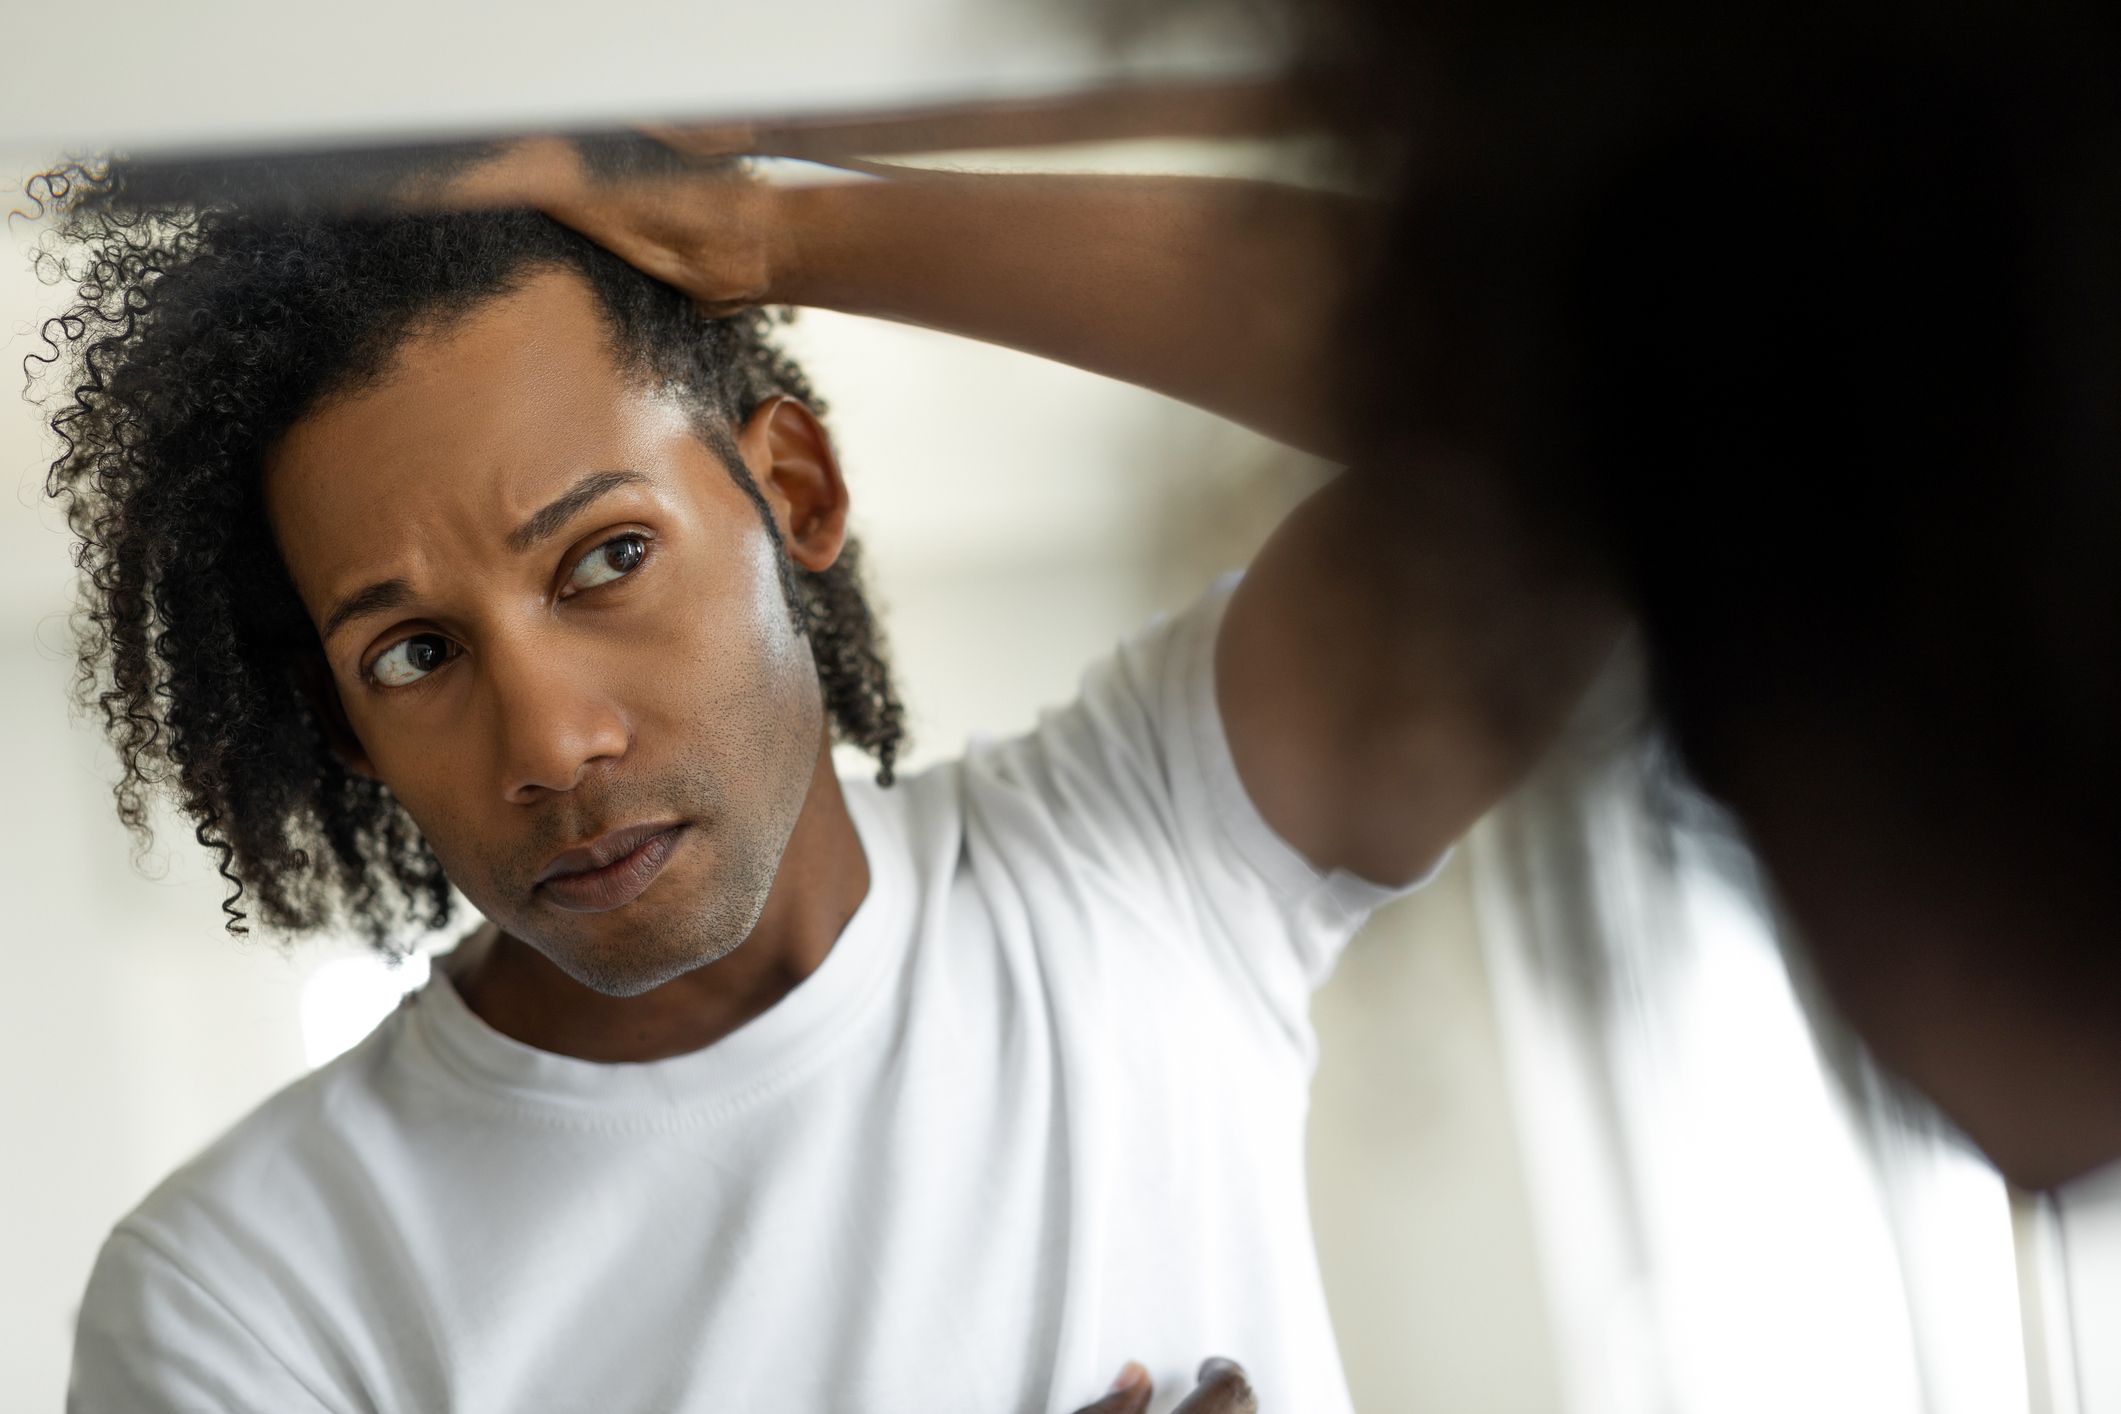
199,332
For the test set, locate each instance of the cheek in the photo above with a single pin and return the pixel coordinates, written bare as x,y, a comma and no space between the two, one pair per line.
749,710
733,624
440,804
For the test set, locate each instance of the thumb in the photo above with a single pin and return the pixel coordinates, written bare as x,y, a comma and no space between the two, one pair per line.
1223,1389
1129,1394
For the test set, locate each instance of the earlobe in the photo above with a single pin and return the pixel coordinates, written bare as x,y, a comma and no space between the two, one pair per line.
791,459
312,678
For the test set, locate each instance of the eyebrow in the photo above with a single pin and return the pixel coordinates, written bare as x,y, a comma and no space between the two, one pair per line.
548,521
369,599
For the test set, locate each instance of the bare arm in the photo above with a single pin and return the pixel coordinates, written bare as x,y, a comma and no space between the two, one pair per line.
1219,293
1397,658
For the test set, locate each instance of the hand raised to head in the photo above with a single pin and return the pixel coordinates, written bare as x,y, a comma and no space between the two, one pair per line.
675,203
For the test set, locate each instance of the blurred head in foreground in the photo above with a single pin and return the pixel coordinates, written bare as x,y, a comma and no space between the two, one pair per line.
1802,327
419,550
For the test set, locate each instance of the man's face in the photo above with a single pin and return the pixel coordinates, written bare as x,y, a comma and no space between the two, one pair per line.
580,630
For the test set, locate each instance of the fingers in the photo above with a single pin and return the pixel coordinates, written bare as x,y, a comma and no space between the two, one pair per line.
1129,1394
1223,1389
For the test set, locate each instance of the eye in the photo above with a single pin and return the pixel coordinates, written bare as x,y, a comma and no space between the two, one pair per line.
410,659
614,559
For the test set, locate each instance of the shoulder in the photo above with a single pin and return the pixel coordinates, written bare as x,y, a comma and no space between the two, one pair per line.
1094,783
1110,757
264,1177
152,1336
190,1300
1076,819
914,827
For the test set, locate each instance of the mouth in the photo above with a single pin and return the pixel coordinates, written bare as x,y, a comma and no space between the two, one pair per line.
611,870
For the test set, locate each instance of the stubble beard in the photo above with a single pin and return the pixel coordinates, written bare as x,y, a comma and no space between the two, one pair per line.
736,859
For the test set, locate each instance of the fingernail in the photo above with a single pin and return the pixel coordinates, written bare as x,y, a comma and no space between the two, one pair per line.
1131,1376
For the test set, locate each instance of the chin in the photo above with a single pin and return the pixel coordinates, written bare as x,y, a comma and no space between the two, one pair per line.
625,977
635,961
628,970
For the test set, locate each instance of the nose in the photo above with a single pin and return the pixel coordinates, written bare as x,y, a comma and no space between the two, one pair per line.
556,720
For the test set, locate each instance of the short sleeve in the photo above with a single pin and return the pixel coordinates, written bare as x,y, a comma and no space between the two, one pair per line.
1138,774
153,1340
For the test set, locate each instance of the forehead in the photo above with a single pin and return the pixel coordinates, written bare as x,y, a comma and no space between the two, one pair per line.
475,424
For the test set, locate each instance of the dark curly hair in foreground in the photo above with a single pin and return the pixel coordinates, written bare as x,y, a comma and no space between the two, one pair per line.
198,335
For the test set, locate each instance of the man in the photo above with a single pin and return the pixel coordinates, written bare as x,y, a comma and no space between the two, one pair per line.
448,549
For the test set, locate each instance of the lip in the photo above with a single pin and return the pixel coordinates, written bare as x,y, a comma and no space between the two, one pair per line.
611,870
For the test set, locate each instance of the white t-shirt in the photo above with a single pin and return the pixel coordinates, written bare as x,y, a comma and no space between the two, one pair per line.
1040,1111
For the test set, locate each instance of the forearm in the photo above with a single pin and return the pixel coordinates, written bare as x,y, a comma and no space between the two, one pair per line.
1224,294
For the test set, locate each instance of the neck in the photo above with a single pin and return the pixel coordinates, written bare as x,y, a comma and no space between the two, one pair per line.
823,877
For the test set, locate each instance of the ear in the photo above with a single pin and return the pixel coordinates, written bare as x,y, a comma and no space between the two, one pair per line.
790,458
312,677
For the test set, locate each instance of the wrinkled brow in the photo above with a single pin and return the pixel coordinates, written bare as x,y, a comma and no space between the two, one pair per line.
549,520
369,599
